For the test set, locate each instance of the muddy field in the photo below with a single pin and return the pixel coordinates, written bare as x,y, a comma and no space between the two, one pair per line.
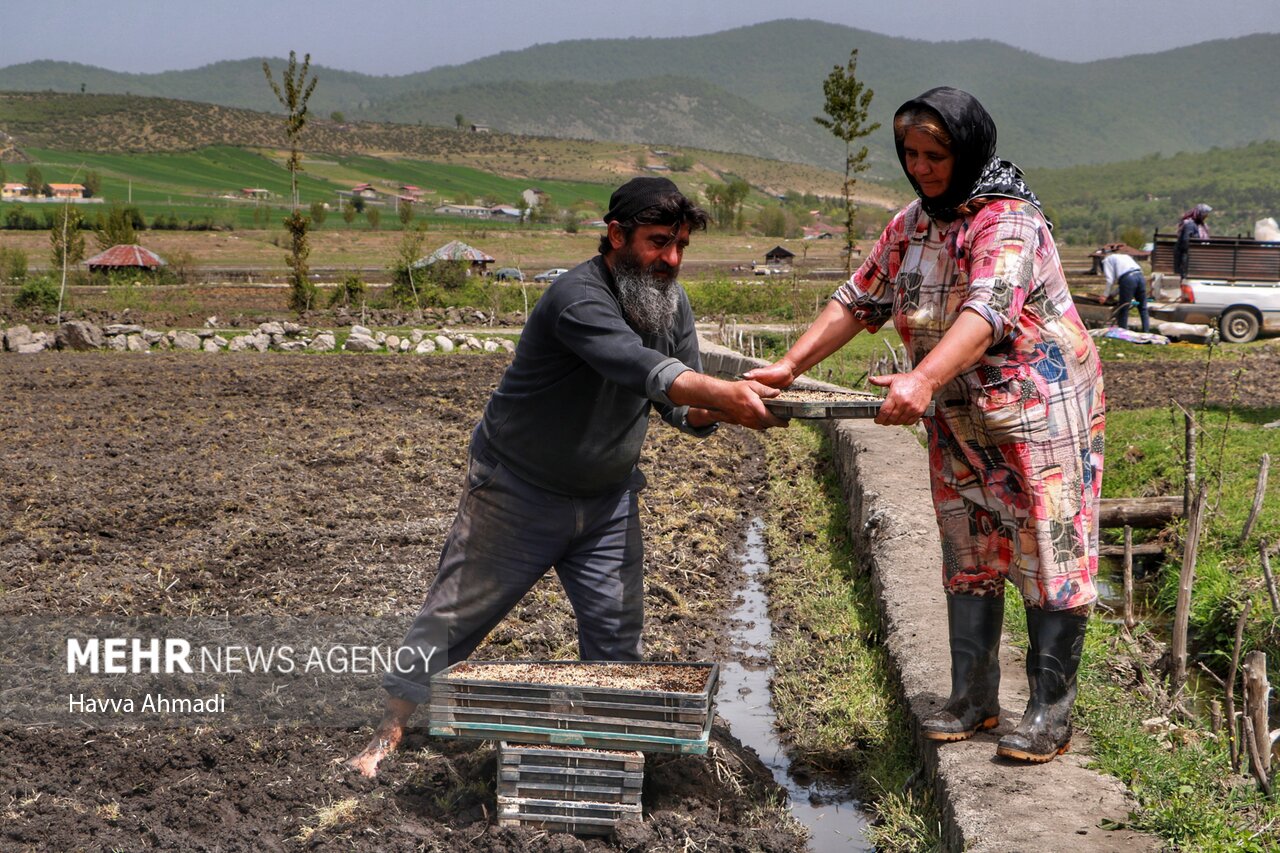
187,486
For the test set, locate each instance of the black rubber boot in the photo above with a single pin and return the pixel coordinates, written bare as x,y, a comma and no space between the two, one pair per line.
975,669
1057,638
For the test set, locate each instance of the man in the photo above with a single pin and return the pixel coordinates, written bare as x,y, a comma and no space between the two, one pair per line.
553,478
1123,271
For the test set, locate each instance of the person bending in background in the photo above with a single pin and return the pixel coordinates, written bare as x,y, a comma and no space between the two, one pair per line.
970,276
1123,272
1191,227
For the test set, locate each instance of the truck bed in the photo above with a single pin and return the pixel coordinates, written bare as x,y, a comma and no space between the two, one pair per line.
1224,258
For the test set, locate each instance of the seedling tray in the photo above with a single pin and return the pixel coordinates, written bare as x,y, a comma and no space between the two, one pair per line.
828,405
579,818
467,703
594,775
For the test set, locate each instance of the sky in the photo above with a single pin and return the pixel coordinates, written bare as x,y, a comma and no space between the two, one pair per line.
403,36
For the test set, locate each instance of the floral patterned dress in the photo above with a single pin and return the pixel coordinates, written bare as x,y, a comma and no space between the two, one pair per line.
1016,444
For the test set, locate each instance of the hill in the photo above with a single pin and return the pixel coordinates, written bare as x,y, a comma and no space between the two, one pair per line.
755,89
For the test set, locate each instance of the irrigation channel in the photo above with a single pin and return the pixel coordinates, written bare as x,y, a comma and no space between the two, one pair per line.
744,700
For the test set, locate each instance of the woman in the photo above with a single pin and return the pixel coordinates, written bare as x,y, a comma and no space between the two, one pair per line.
1191,227
971,278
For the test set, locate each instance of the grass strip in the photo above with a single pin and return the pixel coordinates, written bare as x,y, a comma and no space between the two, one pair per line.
832,687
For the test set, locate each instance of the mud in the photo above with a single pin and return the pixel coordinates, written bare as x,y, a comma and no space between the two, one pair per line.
1248,379
195,485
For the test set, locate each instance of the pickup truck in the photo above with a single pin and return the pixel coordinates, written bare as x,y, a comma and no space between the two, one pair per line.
1232,282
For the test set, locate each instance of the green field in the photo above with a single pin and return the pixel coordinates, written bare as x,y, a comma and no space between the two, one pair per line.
193,185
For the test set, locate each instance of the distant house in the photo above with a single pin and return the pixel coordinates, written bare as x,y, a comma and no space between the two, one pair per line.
125,257
412,192
504,211
479,128
779,255
822,231
67,190
658,167
533,197
254,192
473,210
12,191
456,250
364,191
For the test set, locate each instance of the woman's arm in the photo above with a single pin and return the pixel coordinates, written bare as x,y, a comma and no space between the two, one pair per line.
834,328
960,349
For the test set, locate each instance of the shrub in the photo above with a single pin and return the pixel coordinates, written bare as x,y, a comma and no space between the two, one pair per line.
13,266
350,292
39,292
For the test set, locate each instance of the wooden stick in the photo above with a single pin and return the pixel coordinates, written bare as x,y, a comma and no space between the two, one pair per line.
1129,621
1265,553
1258,495
1189,488
1233,743
1255,760
1256,692
1148,512
1182,613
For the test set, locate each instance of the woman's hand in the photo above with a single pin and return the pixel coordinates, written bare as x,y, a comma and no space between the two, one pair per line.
780,374
909,396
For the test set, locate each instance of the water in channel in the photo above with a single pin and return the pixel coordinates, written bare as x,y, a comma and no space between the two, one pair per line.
744,700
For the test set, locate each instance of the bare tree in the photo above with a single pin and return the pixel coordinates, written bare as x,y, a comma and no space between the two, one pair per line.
846,105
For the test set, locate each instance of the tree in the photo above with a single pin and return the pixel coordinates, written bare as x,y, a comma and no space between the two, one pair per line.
34,181
3,176
337,116
92,183
404,210
117,228
374,217
66,240
293,97
318,212
680,162
846,103
726,200
404,278
349,212
459,120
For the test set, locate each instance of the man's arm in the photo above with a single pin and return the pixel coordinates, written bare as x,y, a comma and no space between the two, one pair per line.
712,399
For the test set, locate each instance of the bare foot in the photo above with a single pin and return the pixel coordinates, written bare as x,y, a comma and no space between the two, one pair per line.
385,739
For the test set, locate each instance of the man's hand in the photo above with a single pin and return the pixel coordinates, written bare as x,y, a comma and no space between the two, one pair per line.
780,374
385,739
732,402
908,398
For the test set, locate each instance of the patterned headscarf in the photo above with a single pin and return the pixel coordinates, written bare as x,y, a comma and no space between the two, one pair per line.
977,172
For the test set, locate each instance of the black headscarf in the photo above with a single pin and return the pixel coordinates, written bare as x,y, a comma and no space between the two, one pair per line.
977,170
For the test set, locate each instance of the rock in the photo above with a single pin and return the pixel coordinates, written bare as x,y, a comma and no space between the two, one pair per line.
275,340
1272,425
425,346
165,342
417,335
16,337
444,343
392,342
80,336
31,347
240,344
291,328
452,317
152,337
458,338
293,346
186,341
491,346
271,329
361,343
323,342
480,317
205,333
406,345
123,329
473,342
380,337
507,344
362,331
211,323
215,344
118,343
135,343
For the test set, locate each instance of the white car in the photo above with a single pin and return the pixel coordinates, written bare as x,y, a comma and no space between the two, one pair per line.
1240,309
550,275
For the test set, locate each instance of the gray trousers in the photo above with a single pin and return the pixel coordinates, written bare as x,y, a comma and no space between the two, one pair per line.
508,533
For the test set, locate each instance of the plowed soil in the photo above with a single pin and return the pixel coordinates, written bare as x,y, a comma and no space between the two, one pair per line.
187,484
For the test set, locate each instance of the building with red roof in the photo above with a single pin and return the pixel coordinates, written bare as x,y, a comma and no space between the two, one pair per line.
125,257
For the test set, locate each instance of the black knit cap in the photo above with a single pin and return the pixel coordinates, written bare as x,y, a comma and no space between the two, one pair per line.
638,194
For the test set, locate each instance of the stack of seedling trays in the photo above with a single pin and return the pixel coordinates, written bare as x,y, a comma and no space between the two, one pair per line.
575,789
572,734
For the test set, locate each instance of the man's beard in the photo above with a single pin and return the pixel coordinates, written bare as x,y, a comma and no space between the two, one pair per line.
648,294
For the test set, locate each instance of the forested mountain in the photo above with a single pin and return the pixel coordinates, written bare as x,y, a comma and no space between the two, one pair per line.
756,89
